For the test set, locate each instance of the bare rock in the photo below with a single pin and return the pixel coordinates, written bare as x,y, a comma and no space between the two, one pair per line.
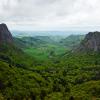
91,42
5,35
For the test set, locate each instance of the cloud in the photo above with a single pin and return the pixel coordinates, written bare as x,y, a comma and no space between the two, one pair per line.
50,14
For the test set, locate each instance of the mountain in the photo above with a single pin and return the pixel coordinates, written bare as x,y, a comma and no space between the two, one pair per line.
11,53
72,41
5,35
91,42
36,41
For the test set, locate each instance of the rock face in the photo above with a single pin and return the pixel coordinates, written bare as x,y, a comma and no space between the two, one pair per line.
5,35
90,43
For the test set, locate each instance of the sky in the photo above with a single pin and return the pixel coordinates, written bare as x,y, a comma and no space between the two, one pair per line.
50,14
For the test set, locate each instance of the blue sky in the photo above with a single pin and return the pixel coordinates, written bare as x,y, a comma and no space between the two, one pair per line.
50,14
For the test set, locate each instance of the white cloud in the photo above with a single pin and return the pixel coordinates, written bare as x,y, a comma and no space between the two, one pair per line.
50,14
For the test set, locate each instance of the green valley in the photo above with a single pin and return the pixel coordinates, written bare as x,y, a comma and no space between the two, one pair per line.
48,68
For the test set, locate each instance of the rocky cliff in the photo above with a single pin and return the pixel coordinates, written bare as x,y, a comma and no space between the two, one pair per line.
5,35
91,42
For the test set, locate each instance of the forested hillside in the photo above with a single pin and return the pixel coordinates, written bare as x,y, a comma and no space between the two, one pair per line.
72,41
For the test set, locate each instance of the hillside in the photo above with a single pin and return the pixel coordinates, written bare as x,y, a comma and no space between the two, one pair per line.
72,41
10,52
41,47
34,41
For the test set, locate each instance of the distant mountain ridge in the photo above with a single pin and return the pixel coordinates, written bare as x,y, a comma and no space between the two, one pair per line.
32,41
91,42
5,35
72,41
64,34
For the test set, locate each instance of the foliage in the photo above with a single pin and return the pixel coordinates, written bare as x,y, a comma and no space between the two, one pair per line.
30,74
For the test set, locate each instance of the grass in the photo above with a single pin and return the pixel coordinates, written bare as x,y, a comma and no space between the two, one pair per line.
45,51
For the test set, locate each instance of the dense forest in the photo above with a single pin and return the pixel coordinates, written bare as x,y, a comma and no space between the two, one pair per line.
45,68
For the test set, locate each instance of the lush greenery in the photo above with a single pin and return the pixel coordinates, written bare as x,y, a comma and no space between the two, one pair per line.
48,71
72,41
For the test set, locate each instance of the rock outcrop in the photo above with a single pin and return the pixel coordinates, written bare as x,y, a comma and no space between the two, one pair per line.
5,35
91,42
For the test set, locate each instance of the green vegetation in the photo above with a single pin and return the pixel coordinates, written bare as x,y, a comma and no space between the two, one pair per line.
72,41
45,52
47,71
